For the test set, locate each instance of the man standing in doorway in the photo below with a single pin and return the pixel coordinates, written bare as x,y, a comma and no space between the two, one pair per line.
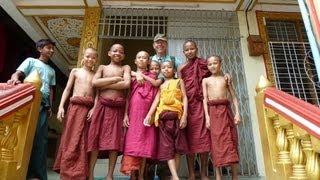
160,45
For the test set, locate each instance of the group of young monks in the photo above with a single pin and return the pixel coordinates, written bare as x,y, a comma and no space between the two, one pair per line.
163,116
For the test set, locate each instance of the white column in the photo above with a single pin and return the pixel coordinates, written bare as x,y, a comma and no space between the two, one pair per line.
254,67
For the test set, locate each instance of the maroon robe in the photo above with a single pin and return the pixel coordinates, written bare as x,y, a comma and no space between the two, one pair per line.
197,133
72,160
223,131
172,139
106,130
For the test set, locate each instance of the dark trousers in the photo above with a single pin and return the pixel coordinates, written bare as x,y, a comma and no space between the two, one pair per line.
38,159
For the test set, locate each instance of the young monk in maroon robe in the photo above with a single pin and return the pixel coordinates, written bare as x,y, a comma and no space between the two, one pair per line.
192,73
219,118
198,135
106,131
140,141
72,159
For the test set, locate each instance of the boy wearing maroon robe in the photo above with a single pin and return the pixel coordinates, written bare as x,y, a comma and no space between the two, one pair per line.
192,73
219,118
72,160
106,132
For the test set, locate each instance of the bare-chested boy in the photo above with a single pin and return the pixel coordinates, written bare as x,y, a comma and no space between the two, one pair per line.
219,118
72,159
106,131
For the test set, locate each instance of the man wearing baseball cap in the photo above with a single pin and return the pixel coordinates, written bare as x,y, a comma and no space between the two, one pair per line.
160,45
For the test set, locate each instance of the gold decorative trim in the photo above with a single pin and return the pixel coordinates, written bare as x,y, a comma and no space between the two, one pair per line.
46,18
90,30
50,7
289,152
253,5
282,3
66,58
239,5
34,78
85,3
262,84
100,3
184,1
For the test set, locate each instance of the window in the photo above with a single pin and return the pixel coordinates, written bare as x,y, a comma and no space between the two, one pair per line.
289,58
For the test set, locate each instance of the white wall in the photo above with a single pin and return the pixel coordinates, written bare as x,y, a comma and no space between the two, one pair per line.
254,68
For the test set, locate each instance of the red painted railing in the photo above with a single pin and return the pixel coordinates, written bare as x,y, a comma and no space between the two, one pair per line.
19,110
299,112
13,97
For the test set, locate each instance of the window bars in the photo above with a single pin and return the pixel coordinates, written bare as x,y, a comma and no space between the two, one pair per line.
293,67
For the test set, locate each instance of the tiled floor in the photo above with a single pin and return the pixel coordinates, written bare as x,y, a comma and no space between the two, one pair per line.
101,171
55,176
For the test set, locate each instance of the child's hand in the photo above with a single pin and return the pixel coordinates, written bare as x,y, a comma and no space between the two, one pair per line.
60,114
183,122
139,79
89,115
151,121
227,77
147,121
117,79
237,118
126,121
133,73
208,124
13,81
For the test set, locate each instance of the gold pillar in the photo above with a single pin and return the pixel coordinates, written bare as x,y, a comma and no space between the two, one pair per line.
313,160
274,138
89,37
289,151
298,160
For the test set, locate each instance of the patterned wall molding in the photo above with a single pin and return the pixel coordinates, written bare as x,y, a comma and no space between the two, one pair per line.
90,30
66,30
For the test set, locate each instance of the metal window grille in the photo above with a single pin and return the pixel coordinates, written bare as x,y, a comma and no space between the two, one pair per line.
288,61
282,31
131,24
288,48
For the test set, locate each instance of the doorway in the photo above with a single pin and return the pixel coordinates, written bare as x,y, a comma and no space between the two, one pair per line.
215,32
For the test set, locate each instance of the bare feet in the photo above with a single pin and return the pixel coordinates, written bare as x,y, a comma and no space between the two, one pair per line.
174,178
205,178
192,177
109,178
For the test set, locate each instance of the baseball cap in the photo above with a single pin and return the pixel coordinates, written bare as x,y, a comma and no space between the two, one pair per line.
160,37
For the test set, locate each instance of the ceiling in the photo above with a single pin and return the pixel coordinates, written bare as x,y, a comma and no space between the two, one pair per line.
62,20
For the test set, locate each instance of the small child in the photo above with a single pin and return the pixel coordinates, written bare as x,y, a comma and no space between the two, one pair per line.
154,67
219,118
171,104
140,141
106,132
38,160
72,160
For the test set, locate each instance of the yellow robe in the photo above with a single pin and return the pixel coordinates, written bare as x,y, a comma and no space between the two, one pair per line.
170,99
